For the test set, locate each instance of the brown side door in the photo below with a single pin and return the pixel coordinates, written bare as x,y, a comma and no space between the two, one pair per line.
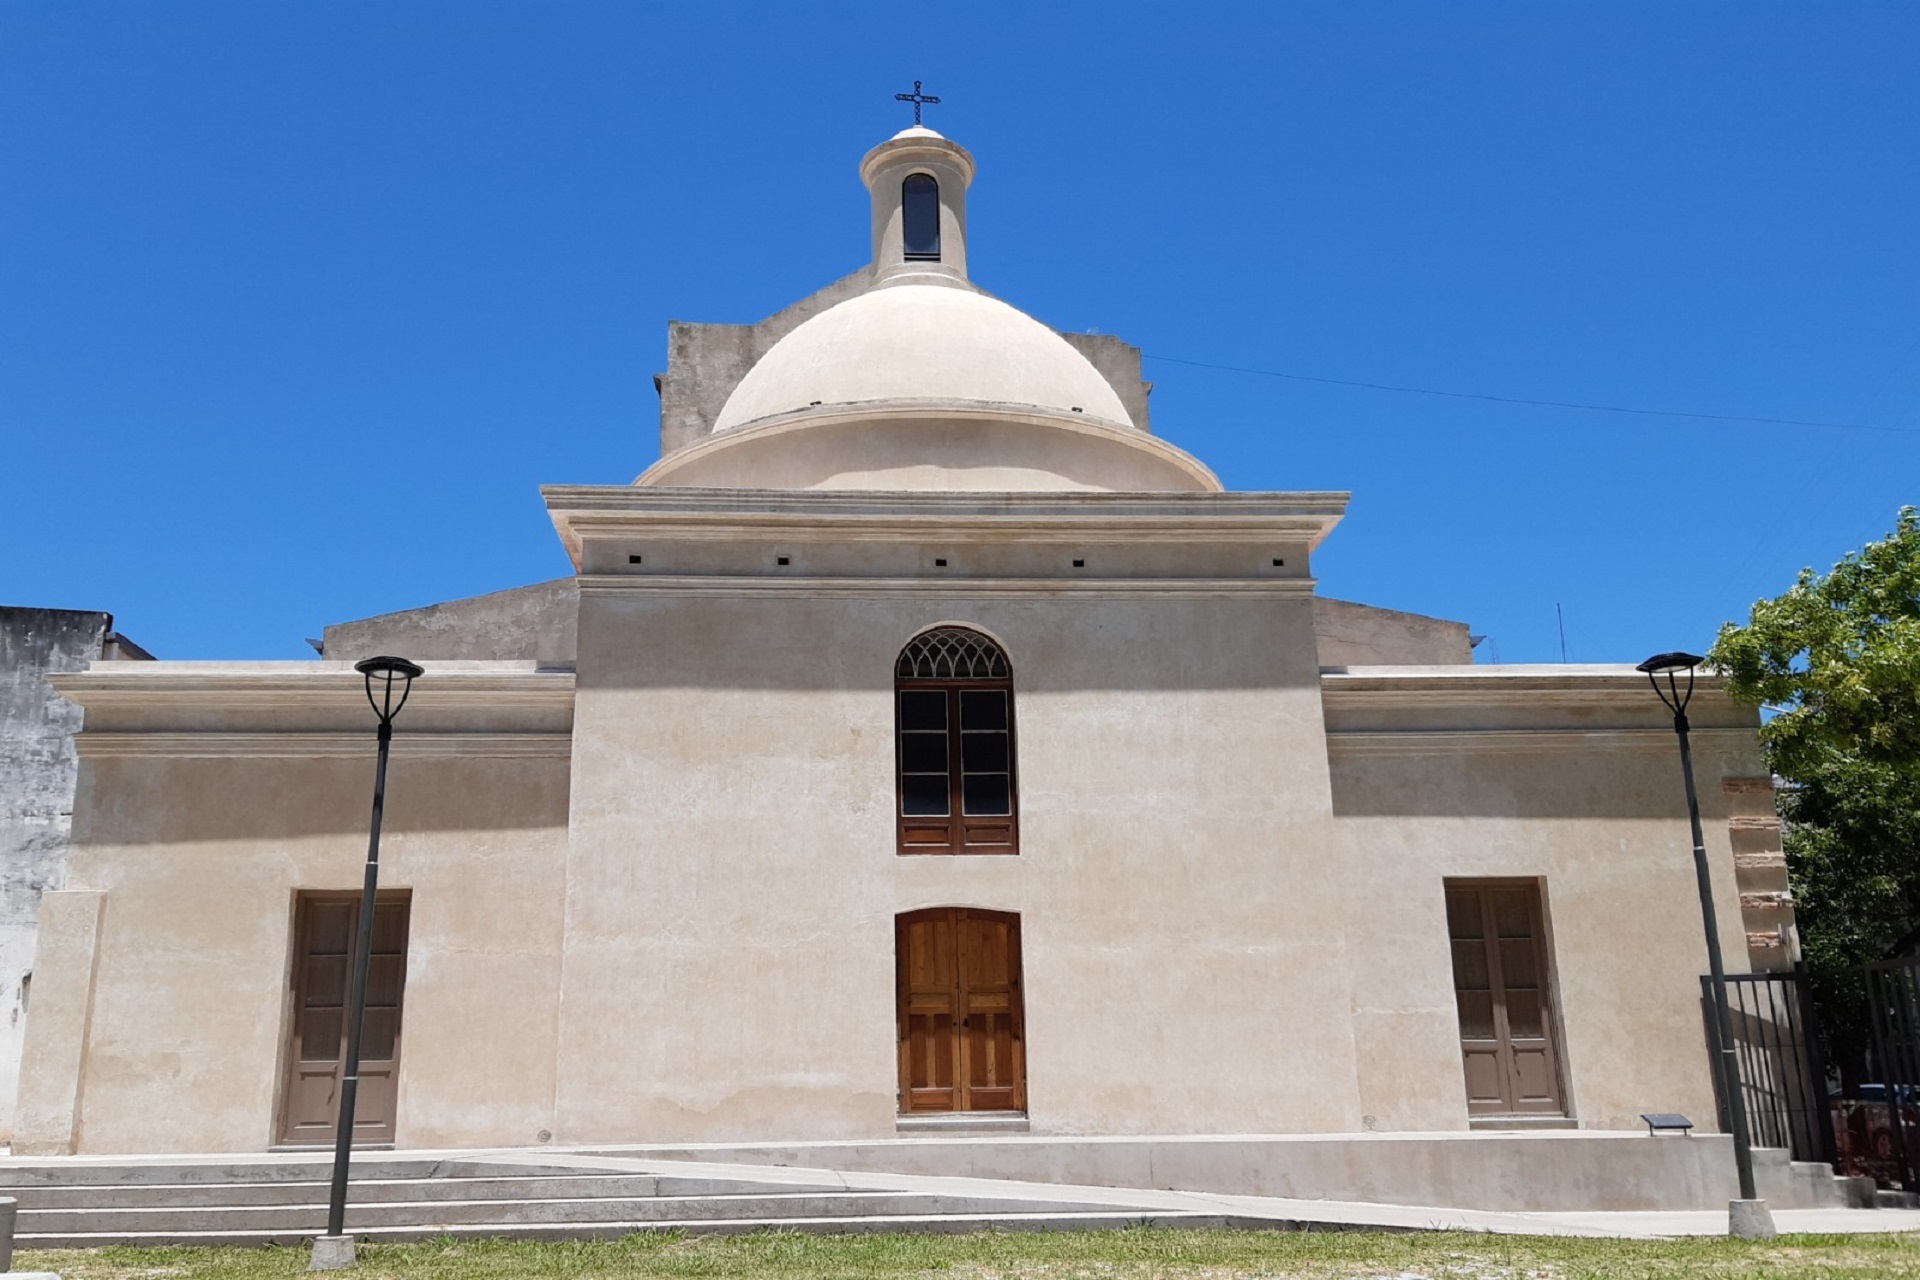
962,1042
1504,999
325,927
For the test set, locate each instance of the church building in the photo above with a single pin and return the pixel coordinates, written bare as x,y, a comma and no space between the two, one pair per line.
921,745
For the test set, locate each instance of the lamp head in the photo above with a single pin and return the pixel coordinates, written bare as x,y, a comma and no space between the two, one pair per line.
1662,663
1670,665
385,672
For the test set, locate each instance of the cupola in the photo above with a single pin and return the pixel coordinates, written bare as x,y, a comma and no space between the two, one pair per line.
915,379
917,181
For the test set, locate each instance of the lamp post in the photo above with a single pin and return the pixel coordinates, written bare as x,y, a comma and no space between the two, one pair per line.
388,681
1748,1216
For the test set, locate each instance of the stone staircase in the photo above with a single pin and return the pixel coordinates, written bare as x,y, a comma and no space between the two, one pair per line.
67,1205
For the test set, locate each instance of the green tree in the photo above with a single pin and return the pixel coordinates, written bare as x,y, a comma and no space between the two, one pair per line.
1836,660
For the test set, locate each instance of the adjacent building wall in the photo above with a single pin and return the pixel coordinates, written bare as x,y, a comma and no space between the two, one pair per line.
37,772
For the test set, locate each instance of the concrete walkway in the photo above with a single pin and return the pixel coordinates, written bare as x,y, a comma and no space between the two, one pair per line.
1298,1214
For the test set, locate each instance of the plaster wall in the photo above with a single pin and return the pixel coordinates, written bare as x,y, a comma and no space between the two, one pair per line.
210,795
533,623
1363,635
538,623
1581,795
37,771
730,962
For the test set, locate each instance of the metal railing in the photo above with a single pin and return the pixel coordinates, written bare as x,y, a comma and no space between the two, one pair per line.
1893,1011
1777,1048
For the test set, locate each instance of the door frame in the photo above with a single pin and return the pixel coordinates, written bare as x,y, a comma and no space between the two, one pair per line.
290,1007
1016,981
1549,985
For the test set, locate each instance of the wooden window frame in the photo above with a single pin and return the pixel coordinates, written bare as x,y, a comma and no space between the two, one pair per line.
957,833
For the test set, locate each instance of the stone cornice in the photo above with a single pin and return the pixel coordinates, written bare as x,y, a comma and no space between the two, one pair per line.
252,698
323,745
878,413
1446,742
965,588
696,514
1593,699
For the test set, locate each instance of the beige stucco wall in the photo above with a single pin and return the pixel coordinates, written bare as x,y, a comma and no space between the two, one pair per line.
192,976
730,962
654,899
193,843
1560,781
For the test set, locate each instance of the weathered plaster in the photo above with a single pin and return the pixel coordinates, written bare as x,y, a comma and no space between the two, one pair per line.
37,772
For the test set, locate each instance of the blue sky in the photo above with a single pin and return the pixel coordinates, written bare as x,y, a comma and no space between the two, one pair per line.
300,303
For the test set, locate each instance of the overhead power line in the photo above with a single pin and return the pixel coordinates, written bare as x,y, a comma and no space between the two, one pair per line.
1542,404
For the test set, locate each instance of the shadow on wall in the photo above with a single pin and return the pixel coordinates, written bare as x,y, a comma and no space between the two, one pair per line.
251,801
1570,781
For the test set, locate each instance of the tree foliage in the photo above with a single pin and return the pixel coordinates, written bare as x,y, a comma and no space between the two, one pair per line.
1837,660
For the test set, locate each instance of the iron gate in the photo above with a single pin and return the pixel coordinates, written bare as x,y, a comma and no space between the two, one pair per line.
1893,1014
1777,1048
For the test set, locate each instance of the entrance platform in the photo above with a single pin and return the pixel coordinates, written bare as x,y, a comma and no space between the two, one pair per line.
1539,1171
83,1201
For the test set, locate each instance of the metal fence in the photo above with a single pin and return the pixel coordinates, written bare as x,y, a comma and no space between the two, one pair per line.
1777,1047
1893,1011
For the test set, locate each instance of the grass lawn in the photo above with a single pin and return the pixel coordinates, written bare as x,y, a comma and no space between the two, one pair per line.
1140,1254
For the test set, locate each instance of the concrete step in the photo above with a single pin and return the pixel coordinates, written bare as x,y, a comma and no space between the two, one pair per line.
448,1213
388,1191
951,1223
68,1173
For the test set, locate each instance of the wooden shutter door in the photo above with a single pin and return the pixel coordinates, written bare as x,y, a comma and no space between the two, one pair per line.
992,1052
1500,989
325,926
960,1011
929,1012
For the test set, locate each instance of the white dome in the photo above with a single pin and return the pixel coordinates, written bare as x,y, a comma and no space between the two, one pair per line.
921,342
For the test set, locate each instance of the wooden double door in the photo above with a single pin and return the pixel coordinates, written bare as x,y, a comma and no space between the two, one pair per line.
961,1020
1501,988
325,928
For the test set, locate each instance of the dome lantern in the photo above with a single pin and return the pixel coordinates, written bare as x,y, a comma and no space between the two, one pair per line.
917,181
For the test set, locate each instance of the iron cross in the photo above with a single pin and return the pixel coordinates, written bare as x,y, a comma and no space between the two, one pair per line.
917,98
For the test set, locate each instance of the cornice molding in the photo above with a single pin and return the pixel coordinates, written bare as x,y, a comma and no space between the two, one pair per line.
913,409
1446,742
1473,691
322,745
242,685
581,513
1103,588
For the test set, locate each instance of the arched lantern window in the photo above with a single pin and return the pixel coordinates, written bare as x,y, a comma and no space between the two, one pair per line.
920,218
953,707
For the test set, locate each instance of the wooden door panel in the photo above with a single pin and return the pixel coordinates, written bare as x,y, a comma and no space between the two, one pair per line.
324,932
1498,940
1486,1076
959,1011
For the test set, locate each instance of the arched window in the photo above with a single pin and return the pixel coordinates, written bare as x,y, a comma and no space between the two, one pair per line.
920,216
953,708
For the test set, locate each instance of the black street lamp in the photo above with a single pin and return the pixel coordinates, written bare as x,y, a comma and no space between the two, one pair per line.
389,681
1748,1216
